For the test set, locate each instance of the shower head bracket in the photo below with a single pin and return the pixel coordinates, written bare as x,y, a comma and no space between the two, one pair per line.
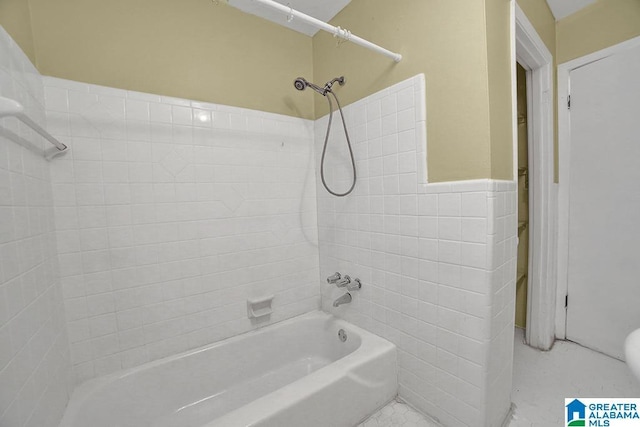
301,83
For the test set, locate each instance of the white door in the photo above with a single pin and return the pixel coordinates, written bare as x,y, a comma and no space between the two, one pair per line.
604,203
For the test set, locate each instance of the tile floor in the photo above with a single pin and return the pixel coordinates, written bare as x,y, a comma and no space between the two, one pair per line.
541,381
398,414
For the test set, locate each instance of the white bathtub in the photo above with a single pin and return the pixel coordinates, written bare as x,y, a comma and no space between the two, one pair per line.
294,373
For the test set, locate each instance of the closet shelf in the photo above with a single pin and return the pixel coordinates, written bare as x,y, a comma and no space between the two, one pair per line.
522,225
521,279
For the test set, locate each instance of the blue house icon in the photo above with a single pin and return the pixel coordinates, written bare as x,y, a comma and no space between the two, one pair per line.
575,407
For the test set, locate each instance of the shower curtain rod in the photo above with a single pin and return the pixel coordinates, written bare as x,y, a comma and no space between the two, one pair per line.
336,31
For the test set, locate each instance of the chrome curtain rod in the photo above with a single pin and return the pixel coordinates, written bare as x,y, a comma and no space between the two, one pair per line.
336,31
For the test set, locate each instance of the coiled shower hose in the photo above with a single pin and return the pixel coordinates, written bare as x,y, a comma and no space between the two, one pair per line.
326,140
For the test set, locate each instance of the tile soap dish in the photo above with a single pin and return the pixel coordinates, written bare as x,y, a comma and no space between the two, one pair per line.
259,307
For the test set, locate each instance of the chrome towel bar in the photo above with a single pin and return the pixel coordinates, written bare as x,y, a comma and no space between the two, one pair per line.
11,108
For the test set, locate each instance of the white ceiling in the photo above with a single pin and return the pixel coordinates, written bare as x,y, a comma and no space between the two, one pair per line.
563,8
324,10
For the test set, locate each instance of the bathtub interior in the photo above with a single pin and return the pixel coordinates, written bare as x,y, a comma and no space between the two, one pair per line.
189,390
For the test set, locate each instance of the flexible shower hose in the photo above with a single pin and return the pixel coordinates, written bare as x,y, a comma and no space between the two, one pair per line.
326,140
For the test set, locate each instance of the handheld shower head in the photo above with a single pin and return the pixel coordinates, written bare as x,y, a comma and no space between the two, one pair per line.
327,91
300,83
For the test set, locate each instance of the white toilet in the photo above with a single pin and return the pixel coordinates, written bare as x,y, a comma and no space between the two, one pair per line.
632,352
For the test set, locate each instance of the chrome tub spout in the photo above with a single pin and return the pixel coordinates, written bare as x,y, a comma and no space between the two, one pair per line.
344,299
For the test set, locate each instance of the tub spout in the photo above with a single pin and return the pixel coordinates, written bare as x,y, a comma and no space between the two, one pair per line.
344,299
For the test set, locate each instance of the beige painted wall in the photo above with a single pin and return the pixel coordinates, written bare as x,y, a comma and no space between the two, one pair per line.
498,24
212,51
542,20
600,25
16,20
194,49
188,48
445,40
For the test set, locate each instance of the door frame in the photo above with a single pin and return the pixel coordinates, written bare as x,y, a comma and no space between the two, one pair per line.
530,51
564,152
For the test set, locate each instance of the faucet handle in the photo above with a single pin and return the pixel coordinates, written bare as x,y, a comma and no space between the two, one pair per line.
356,285
345,281
334,278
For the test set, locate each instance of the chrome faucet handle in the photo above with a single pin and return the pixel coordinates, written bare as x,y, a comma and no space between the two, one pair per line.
334,278
344,281
356,285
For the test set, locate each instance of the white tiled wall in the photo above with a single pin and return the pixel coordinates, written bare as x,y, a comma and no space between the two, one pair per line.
34,351
171,213
436,260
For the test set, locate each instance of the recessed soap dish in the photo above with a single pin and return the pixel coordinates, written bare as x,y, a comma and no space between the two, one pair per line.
259,307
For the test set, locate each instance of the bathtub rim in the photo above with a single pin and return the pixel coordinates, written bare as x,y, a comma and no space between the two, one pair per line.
374,345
